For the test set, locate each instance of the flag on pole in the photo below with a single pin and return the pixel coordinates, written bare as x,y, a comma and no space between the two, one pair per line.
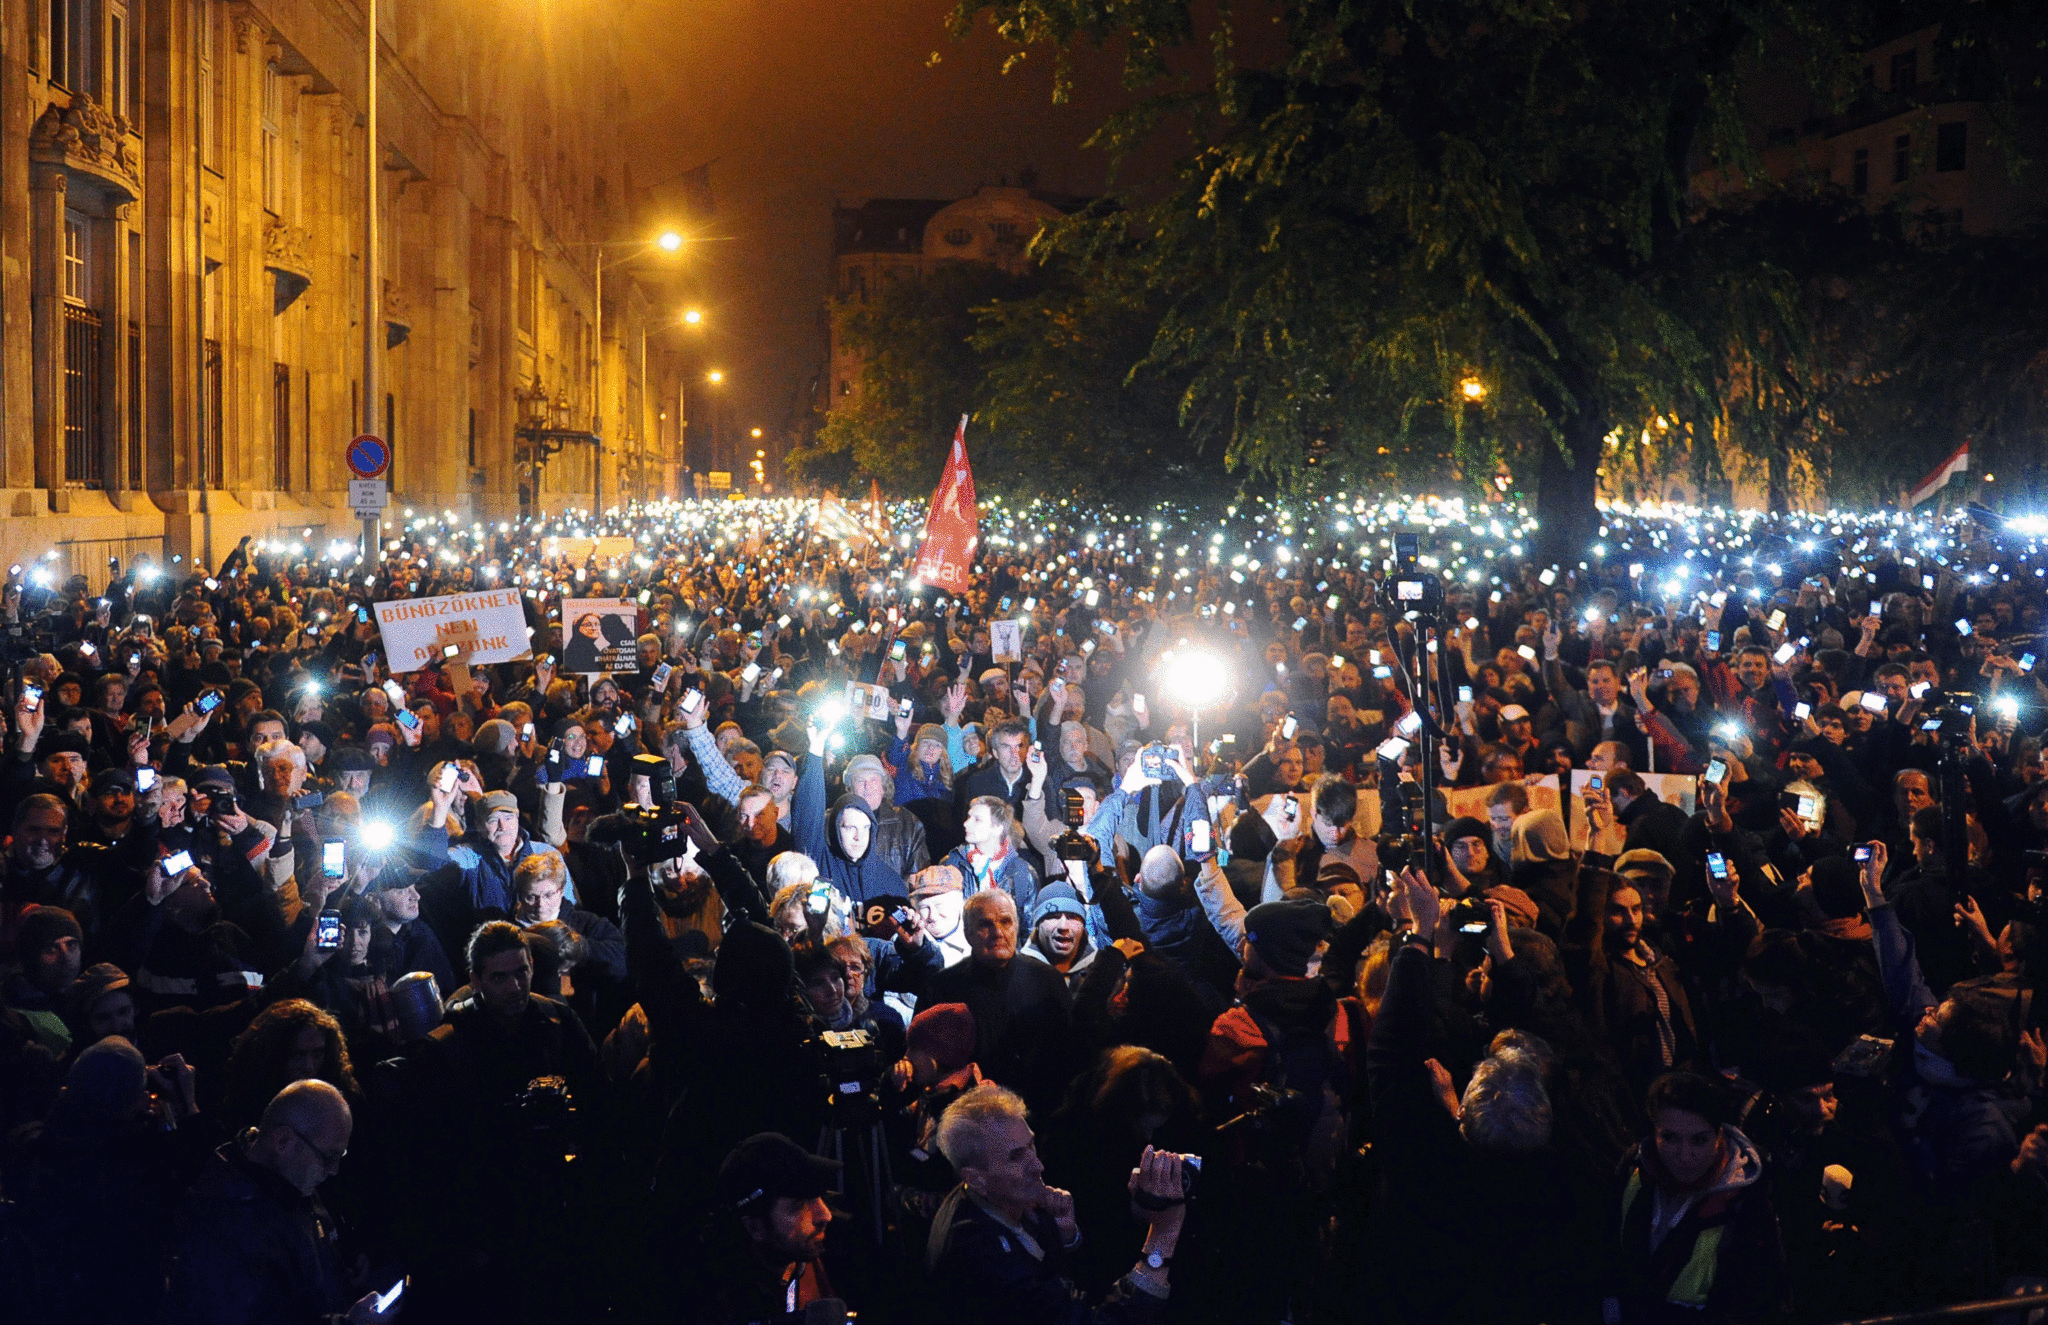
836,522
878,514
1958,462
953,528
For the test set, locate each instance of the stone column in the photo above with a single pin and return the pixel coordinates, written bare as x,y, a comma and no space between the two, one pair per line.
117,393
47,186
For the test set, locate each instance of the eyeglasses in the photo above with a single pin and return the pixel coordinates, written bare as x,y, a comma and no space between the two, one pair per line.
332,1161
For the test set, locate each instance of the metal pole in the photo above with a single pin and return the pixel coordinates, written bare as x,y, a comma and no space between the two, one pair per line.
373,319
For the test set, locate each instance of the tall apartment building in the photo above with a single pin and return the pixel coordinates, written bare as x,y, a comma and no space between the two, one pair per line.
181,224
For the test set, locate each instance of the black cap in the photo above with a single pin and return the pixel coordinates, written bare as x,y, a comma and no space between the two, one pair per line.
768,1167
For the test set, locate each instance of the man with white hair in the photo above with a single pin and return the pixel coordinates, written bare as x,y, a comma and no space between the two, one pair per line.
1021,1007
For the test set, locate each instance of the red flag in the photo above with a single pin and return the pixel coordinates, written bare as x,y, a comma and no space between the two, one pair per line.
953,527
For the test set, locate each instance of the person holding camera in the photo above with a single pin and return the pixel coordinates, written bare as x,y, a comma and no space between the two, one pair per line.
1001,1240
769,1261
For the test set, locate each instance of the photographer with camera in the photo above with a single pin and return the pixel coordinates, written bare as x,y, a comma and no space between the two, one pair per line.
1000,1242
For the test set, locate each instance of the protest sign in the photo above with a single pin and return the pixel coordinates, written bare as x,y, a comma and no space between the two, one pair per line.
867,701
598,635
1006,641
576,551
487,627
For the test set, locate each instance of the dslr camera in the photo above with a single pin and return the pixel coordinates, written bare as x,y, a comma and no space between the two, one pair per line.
649,832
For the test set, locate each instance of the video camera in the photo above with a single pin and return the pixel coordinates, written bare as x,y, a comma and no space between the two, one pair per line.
652,830
851,1063
1412,589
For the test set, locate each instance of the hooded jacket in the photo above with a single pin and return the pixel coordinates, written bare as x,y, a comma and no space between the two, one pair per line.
817,835
1707,1256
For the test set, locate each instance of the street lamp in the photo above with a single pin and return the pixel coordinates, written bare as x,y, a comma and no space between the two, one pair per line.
1472,389
692,316
669,241
714,377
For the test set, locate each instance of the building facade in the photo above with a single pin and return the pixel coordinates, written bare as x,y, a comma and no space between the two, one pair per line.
182,197
899,239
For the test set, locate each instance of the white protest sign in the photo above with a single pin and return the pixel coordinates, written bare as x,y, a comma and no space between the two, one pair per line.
1006,641
486,627
1680,789
598,635
576,551
867,701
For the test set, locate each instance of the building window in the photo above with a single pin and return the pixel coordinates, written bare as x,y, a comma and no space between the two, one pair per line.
526,290
960,237
1905,72
75,45
77,270
281,425
203,31
212,440
81,394
1952,146
136,478
845,387
117,52
273,141
1859,171
1902,158
131,65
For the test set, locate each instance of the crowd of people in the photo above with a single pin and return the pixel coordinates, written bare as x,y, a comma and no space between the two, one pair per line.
1133,935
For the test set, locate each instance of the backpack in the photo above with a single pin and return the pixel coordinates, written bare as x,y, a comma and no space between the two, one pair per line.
1311,1125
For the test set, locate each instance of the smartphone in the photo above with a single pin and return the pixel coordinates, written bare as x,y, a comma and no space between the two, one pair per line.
1809,806
362,614
1199,837
1109,627
1527,652
1861,855
385,1299
1337,663
1595,782
1391,748
327,931
1058,687
898,651
1717,865
450,650
659,680
905,709
1717,772
407,719
1292,809
331,863
1876,608
1138,705
1464,694
2026,662
145,780
1784,654
1927,583
1873,700
177,863
1919,689
1383,673
32,696
693,699
624,725
207,702
371,659
750,673
1287,727
1776,620
1802,712
1713,641
450,775
594,766
1300,624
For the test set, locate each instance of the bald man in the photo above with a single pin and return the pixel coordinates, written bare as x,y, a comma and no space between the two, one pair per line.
255,1243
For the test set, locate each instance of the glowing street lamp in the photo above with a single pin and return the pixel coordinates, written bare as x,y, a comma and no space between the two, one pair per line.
693,316
714,376
670,241
1472,389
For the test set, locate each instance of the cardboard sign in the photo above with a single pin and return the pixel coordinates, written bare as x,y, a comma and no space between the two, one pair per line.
598,635
1680,789
576,551
1006,641
867,701
487,627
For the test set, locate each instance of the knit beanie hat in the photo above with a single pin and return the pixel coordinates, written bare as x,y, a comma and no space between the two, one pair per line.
1286,934
495,737
43,925
945,1034
93,984
1539,835
931,731
106,1083
1057,899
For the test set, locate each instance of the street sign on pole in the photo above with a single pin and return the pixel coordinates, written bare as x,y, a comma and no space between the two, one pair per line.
367,456
368,497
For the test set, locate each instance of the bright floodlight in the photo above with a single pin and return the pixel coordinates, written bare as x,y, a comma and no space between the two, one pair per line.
1197,678
377,834
670,241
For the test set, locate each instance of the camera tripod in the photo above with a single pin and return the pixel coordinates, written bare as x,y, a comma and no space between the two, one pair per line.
863,1149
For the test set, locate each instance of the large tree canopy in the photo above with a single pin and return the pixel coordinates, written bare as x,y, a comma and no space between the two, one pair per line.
1462,228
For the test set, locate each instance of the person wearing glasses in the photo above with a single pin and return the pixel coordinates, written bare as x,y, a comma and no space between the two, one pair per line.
254,1240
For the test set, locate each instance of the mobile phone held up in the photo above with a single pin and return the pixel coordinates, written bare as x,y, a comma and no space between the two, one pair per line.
332,863
327,931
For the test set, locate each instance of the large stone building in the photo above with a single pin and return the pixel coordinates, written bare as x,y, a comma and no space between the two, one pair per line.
181,291
899,239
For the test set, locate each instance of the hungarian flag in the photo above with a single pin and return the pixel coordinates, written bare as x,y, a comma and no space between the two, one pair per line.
1958,462
953,528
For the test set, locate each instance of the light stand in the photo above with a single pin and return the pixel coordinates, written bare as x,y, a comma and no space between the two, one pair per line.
1417,596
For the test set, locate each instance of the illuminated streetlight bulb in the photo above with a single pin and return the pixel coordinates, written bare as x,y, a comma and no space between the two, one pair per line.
670,241
715,376
757,432
693,316
1472,389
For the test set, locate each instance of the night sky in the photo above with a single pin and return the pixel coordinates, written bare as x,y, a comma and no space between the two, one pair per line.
799,104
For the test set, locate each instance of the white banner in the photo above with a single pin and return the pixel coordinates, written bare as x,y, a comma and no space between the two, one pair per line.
576,551
485,627
1006,641
867,701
